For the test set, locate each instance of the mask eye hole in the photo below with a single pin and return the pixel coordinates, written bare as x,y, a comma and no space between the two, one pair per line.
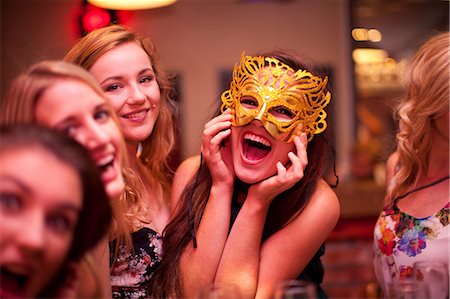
249,102
282,113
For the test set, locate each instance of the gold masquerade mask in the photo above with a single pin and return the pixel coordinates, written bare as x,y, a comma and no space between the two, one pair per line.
285,101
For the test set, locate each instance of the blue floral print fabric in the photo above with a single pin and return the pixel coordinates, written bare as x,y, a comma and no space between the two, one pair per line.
401,239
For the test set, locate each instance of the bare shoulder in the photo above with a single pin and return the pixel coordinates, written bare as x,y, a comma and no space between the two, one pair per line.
184,173
324,202
324,194
391,165
189,166
392,162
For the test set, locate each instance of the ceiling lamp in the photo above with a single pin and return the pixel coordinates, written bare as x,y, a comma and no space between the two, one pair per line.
130,4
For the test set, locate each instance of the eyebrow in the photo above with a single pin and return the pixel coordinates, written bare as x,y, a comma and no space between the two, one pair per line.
120,76
73,118
24,188
146,70
17,182
101,106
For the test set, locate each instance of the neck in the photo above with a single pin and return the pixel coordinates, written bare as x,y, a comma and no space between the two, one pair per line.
132,148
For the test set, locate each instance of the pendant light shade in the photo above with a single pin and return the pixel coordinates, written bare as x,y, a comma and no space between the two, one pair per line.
130,4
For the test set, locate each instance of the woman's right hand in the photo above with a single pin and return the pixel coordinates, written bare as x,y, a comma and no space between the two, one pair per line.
286,177
217,157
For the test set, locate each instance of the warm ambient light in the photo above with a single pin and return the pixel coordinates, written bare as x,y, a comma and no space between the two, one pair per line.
130,4
364,34
364,55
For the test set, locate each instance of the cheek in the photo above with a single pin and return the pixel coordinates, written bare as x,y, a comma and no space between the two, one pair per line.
8,230
117,101
55,253
234,140
282,151
154,95
57,249
115,135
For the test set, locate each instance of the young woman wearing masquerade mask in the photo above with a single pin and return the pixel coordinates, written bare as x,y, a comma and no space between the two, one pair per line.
53,210
127,68
65,97
244,217
414,224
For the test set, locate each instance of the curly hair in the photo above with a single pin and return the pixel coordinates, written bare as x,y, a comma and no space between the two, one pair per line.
157,148
426,80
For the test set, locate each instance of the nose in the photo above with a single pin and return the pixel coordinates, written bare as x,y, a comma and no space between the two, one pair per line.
136,95
94,136
32,237
262,112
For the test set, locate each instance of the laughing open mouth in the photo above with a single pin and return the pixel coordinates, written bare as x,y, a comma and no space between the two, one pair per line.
255,147
12,283
105,163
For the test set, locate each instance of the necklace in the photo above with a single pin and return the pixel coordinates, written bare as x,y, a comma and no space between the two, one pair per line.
423,187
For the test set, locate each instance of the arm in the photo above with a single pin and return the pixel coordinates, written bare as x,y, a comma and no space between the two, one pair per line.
248,265
199,265
290,249
391,164
185,172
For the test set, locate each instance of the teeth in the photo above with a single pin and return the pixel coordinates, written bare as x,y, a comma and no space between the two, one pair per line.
105,160
252,137
135,114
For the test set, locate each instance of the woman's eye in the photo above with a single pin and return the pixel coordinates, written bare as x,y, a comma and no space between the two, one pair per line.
101,115
10,202
146,79
282,113
69,130
59,223
249,103
112,87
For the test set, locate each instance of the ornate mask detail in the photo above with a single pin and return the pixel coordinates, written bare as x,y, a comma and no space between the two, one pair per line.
285,101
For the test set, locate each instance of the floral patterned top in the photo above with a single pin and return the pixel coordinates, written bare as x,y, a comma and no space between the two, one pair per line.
131,271
401,239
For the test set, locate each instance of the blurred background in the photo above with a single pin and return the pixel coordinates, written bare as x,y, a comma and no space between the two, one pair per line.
363,45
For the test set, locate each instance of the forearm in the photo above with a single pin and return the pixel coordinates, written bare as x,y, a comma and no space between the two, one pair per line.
239,265
199,265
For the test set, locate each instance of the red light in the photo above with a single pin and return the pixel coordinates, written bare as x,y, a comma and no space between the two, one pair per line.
95,18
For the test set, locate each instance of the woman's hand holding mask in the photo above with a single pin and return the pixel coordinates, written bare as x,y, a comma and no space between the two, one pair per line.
286,177
217,157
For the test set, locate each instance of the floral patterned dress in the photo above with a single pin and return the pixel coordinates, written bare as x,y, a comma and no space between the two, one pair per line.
132,271
401,239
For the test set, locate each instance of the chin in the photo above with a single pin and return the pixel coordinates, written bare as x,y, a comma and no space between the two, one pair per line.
115,189
249,177
138,134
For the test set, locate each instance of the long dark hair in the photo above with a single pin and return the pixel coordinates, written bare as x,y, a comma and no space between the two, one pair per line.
178,233
95,216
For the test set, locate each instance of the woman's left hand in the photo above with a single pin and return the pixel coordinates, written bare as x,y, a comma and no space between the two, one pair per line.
217,157
286,177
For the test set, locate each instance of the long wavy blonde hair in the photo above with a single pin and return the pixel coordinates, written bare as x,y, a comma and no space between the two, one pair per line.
157,148
426,80
19,104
